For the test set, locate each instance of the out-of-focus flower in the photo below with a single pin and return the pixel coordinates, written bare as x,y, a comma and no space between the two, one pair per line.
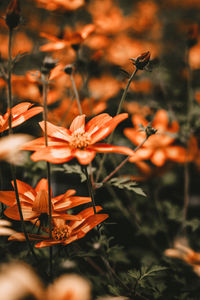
10,147
17,281
20,114
68,110
60,4
5,228
143,86
78,141
136,108
194,56
182,251
158,148
64,232
69,287
35,205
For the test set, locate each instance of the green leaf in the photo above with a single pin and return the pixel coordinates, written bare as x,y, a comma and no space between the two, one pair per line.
73,169
194,224
126,183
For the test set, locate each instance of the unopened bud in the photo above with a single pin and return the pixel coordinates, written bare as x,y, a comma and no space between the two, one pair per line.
142,60
68,69
48,64
192,35
150,130
13,14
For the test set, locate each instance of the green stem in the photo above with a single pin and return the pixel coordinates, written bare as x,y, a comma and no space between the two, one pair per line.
13,170
118,112
76,94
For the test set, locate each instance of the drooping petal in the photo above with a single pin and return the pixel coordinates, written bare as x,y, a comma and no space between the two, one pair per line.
97,122
107,128
68,194
54,154
28,214
78,124
69,202
84,156
57,131
100,147
25,189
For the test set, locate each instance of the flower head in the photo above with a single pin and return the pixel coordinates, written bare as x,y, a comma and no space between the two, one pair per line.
13,14
78,141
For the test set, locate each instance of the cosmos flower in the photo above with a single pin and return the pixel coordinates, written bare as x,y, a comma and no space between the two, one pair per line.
78,141
64,232
158,148
35,205
20,114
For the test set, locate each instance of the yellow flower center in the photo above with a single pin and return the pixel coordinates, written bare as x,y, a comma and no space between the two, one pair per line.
80,139
61,233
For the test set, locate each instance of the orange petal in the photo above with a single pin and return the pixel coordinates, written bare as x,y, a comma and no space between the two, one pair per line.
160,121
56,131
28,214
57,155
65,216
100,147
139,120
176,153
97,122
84,156
39,143
78,124
69,202
136,137
8,197
26,115
20,108
108,127
141,154
47,243
25,189
54,46
42,185
84,214
159,158
68,194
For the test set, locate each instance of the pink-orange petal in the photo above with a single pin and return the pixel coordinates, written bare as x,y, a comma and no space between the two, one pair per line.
160,120
100,147
176,153
8,197
42,185
78,124
26,115
84,214
28,214
159,157
57,131
54,154
139,120
107,128
84,156
141,154
26,189
97,122
20,108
39,143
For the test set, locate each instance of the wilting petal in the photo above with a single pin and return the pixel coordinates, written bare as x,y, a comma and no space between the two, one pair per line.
57,155
56,131
159,158
176,153
69,202
28,214
111,148
26,189
84,156
107,128
97,122
78,124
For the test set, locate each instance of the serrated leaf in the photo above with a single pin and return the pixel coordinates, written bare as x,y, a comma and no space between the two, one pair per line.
194,224
73,169
126,183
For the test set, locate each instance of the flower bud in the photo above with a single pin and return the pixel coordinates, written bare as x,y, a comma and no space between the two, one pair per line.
68,69
13,14
48,64
142,60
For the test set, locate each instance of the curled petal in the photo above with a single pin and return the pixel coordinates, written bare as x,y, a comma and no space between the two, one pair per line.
69,202
86,213
26,115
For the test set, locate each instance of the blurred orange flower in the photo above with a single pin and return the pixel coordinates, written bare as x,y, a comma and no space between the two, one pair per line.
158,148
20,114
60,4
78,141
34,202
135,108
66,233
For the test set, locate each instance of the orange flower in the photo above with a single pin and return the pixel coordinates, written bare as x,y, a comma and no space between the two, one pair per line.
67,232
34,202
61,4
182,251
20,113
158,147
78,141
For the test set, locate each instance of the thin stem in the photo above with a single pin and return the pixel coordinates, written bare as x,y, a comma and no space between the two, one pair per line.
45,87
76,94
13,170
186,190
90,188
123,162
118,112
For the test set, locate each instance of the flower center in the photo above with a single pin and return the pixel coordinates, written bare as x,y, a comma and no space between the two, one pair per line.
61,233
80,139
